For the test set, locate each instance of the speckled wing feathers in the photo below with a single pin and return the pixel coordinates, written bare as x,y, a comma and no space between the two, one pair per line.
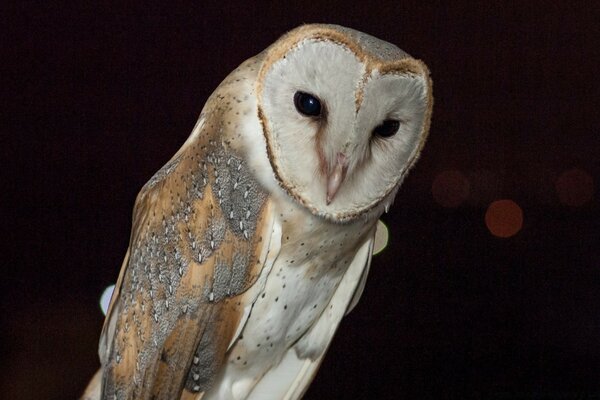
200,228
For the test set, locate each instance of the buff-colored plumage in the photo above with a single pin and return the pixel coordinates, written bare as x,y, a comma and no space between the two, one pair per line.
250,245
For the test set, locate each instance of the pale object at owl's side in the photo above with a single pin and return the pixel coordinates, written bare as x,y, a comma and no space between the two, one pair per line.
254,240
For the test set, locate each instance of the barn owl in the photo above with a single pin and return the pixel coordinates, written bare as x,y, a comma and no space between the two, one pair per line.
250,245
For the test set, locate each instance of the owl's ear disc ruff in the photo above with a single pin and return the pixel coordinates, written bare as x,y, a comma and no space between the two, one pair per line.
362,83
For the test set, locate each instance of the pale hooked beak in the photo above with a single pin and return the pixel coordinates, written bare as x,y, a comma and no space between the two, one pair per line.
336,177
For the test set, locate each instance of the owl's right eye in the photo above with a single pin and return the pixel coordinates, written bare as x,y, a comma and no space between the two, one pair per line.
388,128
307,104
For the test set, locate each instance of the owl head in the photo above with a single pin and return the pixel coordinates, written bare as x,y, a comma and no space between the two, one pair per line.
344,116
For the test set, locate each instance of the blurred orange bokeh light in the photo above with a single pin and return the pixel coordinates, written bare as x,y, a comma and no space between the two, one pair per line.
504,218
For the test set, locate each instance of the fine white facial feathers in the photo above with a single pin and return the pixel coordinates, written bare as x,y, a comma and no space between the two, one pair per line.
360,82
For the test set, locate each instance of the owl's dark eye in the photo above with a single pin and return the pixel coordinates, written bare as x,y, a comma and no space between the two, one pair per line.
388,128
307,104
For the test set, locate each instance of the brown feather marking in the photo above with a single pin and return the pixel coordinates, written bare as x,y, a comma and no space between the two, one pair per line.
188,258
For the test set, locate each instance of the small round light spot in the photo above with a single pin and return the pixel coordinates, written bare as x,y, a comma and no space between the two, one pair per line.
105,298
381,238
504,218
450,188
575,187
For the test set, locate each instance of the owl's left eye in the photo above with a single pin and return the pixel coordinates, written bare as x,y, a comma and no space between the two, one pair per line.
387,128
307,104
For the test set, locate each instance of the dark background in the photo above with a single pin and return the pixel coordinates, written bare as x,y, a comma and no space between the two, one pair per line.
95,99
